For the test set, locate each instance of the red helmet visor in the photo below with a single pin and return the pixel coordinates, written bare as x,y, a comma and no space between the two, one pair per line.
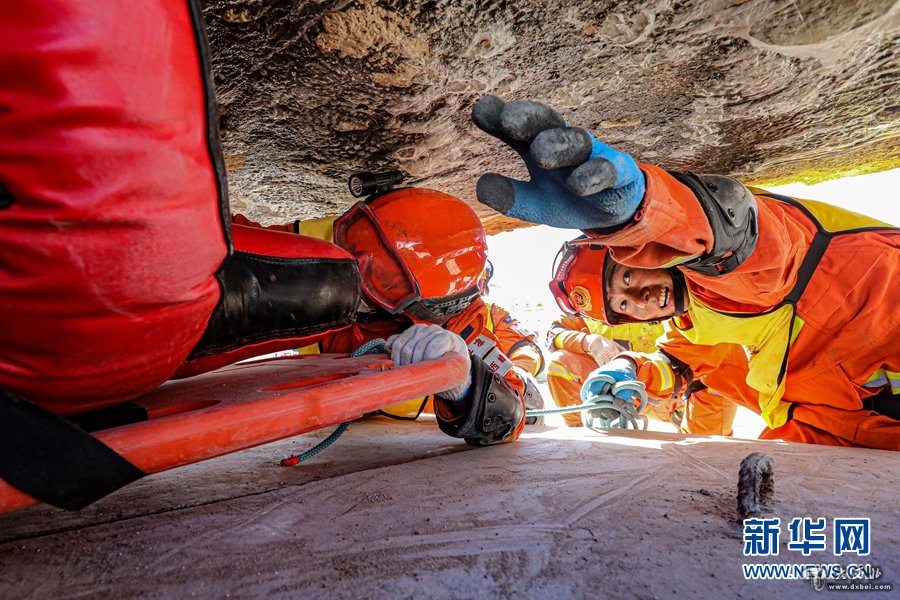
386,279
562,265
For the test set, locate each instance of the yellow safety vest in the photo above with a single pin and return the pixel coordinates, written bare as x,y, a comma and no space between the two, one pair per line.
767,337
640,336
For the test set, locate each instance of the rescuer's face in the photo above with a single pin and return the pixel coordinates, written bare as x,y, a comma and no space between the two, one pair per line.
642,294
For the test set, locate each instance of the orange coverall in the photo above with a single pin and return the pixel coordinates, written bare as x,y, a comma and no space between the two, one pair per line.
477,318
820,363
571,362
515,341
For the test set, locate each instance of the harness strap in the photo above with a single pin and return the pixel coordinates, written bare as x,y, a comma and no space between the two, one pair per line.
53,460
816,250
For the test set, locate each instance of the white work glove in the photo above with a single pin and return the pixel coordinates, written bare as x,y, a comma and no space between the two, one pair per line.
600,348
428,342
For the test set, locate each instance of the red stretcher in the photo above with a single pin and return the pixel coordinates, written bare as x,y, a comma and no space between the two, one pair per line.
254,403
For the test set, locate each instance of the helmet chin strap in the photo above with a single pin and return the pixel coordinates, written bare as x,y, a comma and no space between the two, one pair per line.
679,291
366,313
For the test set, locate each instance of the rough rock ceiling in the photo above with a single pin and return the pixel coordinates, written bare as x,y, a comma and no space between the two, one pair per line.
766,90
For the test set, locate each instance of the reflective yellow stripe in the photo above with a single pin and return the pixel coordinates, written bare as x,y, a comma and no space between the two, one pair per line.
490,316
665,374
677,261
765,339
557,343
311,349
882,378
557,370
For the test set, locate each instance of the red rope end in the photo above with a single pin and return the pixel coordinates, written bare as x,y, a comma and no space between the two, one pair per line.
290,461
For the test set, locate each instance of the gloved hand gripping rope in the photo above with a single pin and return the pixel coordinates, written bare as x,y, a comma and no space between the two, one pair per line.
416,344
619,408
607,404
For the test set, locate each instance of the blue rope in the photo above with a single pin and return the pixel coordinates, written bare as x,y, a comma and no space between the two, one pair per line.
626,413
376,346
540,412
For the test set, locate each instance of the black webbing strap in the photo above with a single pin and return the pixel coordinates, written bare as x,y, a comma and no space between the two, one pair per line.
884,403
817,248
6,199
117,415
54,461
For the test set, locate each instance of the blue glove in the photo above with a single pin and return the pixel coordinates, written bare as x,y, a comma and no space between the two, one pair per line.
606,379
576,181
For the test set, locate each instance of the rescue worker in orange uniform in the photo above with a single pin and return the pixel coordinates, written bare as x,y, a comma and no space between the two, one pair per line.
518,344
688,404
419,272
580,345
786,306
514,342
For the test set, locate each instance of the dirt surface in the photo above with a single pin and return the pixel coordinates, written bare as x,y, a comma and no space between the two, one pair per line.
398,510
766,90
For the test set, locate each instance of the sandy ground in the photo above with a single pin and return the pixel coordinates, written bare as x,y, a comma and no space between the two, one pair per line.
398,510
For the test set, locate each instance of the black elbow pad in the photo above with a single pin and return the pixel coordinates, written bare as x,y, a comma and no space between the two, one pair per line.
733,217
488,414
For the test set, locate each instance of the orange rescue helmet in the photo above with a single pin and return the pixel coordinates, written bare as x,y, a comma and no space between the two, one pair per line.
421,252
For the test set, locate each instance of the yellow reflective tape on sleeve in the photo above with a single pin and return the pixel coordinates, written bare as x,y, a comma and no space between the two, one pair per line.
667,377
490,316
884,378
311,349
556,343
557,370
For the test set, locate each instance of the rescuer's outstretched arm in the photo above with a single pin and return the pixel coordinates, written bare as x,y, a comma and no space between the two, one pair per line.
652,218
